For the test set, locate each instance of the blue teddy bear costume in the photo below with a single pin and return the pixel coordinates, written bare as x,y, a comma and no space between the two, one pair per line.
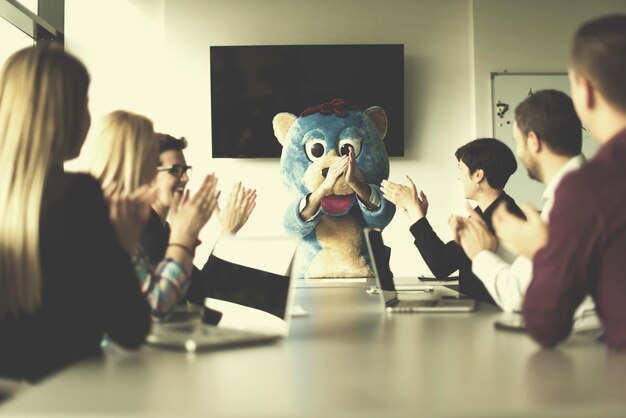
333,244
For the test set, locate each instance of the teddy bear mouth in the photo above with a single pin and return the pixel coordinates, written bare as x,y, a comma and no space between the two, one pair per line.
336,204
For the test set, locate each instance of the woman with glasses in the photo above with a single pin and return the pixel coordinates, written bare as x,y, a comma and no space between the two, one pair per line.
171,179
64,278
123,157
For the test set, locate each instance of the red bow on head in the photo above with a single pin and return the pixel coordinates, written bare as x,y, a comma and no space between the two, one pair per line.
338,107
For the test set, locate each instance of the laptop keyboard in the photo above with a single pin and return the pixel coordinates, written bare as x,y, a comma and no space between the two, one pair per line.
408,304
201,336
209,332
196,329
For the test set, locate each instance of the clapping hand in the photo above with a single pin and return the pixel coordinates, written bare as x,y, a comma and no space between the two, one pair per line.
353,173
189,215
129,213
334,172
240,205
456,223
524,237
414,204
474,235
355,180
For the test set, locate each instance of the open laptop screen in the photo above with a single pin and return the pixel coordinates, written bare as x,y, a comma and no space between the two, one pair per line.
248,283
247,286
248,296
380,254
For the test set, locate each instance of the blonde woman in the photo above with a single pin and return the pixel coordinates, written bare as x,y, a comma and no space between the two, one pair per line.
64,279
123,156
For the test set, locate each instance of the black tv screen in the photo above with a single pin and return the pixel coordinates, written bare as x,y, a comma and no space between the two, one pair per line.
251,84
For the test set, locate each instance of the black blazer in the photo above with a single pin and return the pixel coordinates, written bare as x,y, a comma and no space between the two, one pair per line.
445,259
88,286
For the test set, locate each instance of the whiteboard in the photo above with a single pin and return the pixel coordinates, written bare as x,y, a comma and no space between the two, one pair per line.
507,91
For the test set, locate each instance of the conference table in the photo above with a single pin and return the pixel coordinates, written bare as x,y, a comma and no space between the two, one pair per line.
347,357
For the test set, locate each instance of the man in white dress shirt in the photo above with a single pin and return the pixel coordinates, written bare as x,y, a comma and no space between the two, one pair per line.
548,139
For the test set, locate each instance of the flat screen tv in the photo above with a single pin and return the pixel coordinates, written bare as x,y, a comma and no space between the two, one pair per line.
251,84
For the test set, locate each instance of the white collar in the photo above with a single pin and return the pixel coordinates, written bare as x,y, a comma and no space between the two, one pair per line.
573,164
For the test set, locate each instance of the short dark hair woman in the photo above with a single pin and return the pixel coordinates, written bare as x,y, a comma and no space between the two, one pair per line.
485,166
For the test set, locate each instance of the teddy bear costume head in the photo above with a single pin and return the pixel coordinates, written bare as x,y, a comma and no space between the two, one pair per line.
332,241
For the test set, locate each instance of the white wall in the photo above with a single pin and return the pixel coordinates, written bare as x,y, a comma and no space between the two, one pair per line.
526,36
529,36
152,57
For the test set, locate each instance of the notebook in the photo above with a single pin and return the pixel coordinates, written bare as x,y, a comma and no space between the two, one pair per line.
379,255
249,297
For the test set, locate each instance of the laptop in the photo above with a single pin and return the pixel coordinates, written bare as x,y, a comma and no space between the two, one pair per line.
379,255
249,297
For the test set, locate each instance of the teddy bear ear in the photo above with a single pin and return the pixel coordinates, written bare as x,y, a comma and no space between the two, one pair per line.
282,122
379,117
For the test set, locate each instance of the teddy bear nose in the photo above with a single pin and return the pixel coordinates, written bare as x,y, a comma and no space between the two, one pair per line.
324,172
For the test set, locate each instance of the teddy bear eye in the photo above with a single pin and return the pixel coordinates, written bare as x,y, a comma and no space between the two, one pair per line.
345,144
315,149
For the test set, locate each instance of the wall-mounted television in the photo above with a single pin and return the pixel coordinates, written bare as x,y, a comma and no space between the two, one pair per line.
251,84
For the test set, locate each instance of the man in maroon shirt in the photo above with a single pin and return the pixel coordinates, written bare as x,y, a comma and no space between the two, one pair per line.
583,251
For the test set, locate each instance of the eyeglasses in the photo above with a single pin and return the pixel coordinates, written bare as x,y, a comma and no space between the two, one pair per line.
176,170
